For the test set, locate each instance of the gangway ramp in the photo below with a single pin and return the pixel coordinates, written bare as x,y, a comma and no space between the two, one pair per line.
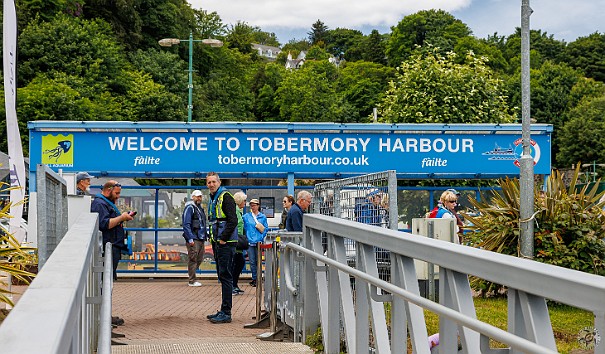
167,316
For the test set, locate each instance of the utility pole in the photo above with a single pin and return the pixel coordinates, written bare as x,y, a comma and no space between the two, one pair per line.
526,202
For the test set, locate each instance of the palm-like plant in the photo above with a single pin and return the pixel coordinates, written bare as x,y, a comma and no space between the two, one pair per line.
13,257
569,223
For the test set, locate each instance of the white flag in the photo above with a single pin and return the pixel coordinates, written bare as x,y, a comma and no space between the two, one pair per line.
15,149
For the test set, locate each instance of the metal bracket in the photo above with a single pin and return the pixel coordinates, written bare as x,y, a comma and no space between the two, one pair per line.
379,298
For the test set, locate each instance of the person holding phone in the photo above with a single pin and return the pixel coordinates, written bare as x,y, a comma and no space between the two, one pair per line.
111,220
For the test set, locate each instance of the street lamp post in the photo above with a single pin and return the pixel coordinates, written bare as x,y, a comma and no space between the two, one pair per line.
168,42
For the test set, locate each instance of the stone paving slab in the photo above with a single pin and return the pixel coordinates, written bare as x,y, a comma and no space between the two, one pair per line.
167,316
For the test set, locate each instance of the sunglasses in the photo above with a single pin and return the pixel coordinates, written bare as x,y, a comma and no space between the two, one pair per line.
115,185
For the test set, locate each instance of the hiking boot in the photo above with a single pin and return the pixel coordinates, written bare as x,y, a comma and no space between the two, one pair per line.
213,315
221,318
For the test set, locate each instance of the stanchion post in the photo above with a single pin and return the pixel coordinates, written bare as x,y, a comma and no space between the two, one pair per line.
259,280
273,314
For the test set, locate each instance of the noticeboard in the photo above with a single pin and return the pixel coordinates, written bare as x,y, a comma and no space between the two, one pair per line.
275,150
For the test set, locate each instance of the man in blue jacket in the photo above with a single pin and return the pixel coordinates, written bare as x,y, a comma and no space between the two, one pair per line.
194,232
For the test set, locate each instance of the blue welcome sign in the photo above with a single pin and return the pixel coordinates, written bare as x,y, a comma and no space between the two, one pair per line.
274,150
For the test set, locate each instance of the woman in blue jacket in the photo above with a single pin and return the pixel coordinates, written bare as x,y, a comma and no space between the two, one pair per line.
256,227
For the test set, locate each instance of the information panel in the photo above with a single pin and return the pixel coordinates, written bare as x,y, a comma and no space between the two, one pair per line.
463,151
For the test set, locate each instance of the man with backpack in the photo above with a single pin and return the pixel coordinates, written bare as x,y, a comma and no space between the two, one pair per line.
194,232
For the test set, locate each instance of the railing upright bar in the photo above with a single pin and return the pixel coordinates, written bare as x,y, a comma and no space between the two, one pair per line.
498,334
105,318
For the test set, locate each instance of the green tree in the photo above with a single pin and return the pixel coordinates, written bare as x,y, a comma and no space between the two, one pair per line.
123,17
435,27
318,33
431,88
343,42
484,48
543,47
582,138
551,87
209,25
266,81
73,46
374,49
587,54
224,93
139,24
29,10
164,19
241,37
63,98
165,68
265,38
363,85
146,100
308,95
317,53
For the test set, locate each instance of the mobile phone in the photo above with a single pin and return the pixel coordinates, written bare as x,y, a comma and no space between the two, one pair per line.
132,213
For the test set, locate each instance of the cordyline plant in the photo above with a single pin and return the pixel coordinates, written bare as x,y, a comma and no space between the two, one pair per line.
568,230
13,257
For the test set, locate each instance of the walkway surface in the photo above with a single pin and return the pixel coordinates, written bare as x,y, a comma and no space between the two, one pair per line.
167,316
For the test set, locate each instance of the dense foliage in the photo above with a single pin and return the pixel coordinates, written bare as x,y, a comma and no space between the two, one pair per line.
13,256
432,88
569,223
100,60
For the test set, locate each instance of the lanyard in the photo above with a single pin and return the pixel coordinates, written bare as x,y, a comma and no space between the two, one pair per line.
109,202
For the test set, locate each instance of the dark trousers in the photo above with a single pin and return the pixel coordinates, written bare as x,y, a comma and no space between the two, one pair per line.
238,265
116,255
224,259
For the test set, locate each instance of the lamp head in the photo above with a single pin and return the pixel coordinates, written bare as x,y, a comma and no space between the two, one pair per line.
212,42
169,42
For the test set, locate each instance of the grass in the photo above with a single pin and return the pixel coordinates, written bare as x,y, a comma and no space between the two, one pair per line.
566,321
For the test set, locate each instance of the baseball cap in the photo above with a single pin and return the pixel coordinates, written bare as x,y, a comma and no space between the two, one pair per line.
254,201
196,193
453,191
83,175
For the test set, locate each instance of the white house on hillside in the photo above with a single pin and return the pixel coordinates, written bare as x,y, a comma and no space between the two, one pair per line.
266,51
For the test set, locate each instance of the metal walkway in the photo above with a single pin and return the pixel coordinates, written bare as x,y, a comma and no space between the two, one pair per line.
167,316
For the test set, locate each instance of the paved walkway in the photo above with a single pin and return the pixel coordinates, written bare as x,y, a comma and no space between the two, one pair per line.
167,316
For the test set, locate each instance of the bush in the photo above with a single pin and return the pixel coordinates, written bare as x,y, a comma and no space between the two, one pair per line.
569,224
13,257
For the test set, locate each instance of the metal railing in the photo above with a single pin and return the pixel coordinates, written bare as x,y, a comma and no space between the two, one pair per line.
64,310
329,300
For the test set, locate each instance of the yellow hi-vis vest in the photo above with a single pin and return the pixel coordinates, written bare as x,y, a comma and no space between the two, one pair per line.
217,225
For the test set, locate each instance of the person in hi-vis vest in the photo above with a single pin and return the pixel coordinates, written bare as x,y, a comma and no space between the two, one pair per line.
222,221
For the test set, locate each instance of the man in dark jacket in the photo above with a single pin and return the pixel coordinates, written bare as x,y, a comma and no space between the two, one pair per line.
222,219
111,220
111,225
294,221
194,232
